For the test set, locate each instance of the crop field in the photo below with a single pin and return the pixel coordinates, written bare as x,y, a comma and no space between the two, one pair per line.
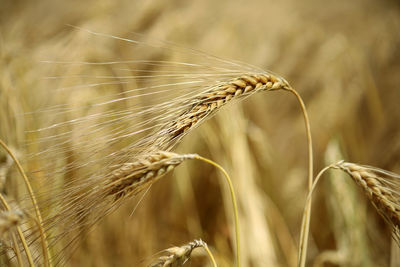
200,133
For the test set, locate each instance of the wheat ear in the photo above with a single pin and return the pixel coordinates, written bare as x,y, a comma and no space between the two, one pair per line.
380,186
178,256
234,203
206,104
132,178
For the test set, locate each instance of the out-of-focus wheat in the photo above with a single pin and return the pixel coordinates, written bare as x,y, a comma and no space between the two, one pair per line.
8,220
178,256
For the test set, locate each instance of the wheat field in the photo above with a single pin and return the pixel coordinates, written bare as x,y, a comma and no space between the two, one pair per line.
113,108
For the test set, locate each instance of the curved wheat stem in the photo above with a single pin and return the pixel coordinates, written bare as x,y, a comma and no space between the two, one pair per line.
234,203
17,250
305,225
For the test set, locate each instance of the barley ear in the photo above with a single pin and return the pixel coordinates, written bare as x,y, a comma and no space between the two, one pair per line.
380,186
382,189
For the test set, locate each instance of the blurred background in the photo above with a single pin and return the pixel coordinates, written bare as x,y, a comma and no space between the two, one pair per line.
343,57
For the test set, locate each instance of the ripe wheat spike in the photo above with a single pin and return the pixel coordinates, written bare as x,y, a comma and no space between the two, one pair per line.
131,178
209,102
382,189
